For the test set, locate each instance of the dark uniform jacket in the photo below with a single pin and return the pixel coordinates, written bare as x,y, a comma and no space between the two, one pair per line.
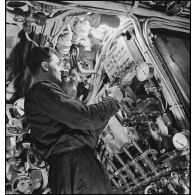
65,132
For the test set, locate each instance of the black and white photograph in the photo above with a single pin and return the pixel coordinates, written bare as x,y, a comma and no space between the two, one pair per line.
97,97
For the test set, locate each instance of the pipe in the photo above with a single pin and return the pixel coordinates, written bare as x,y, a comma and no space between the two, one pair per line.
118,7
167,88
27,2
136,164
65,24
49,20
109,20
147,160
66,13
102,56
116,170
84,71
129,173
114,181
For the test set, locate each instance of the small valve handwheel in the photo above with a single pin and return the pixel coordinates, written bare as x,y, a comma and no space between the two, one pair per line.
144,71
22,184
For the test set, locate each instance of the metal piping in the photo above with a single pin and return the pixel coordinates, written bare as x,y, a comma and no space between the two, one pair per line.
120,8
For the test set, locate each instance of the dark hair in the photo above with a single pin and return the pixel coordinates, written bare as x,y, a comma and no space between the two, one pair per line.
35,57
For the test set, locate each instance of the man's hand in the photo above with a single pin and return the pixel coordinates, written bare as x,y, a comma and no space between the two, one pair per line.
114,92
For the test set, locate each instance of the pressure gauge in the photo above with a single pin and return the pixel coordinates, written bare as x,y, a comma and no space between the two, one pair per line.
180,141
19,106
144,71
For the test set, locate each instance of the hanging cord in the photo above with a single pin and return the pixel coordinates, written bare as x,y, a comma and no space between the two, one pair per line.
27,36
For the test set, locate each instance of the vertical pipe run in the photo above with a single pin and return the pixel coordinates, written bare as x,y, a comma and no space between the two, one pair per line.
114,181
136,164
147,160
114,167
137,147
129,173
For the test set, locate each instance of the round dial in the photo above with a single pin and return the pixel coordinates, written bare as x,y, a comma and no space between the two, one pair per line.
144,71
180,141
19,106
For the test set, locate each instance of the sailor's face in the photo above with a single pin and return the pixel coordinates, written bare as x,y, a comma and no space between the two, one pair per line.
54,69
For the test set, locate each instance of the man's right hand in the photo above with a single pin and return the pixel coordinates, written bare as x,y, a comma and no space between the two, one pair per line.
114,92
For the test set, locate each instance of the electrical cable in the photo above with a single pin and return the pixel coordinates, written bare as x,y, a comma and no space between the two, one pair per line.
29,39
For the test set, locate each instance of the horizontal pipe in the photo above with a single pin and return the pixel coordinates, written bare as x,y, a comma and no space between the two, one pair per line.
121,8
116,9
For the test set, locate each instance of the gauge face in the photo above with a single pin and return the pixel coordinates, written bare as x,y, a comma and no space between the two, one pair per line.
19,106
180,141
143,71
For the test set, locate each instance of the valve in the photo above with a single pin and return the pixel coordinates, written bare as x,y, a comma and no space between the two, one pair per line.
22,184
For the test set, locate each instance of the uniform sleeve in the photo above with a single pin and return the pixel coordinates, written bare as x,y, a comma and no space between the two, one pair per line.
52,101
